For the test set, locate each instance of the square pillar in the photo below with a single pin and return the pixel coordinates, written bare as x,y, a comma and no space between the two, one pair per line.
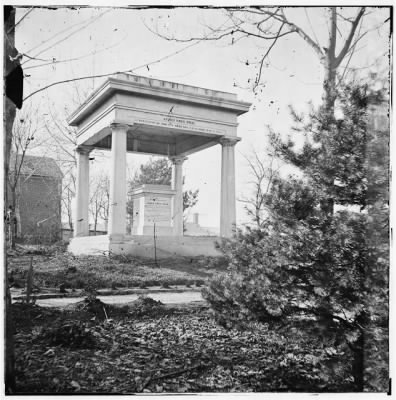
227,202
118,192
81,219
177,203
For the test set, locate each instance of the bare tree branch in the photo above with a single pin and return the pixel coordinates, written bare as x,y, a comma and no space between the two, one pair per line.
111,73
304,35
266,55
54,61
21,19
348,41
333,36
310,24
91,21
263,174
352,51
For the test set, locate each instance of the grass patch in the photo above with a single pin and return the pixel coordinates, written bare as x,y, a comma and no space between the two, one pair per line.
110,272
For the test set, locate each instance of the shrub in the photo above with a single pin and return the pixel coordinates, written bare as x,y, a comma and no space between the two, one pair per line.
146,306
216,263
79,283
73,334
90,291
297,361
165,284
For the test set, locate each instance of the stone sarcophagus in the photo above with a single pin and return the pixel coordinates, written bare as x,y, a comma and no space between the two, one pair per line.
152,210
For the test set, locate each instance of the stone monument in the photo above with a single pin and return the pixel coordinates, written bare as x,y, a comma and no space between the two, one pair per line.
136,114
152,208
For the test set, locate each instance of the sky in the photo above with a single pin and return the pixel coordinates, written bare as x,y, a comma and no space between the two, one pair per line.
105,40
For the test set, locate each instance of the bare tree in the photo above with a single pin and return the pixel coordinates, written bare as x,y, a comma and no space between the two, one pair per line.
68,193
105,209
263,174
62,143
25,136
273,24
99,199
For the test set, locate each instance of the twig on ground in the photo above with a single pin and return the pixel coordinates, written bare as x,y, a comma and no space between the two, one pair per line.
170,374
104,309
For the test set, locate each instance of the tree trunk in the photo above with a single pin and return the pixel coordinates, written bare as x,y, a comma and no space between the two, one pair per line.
358,363
95,222
329,85
330,92
329,97
69,214
330,65
9,117
10,112
13,219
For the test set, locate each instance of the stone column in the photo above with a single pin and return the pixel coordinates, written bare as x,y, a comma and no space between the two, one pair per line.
81,221
227,203
117,207
177,203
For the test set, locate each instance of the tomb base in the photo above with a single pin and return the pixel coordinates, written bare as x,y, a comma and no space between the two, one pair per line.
143,246
149,231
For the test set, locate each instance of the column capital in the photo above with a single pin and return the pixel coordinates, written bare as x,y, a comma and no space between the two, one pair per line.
229,141
177,160
84,149
119,126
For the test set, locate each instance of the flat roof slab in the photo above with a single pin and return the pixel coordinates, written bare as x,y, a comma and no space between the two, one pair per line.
164,118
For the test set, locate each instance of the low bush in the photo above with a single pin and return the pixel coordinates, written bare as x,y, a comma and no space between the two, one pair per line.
93,306
146,306
71,334
215,263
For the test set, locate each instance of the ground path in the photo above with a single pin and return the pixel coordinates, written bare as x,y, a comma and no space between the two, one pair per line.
164,297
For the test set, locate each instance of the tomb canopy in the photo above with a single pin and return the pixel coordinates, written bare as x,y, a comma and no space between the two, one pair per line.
136,114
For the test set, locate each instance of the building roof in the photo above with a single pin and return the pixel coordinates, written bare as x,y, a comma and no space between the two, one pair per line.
144,86
37,166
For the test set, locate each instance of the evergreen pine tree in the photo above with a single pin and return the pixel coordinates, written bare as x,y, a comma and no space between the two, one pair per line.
323,255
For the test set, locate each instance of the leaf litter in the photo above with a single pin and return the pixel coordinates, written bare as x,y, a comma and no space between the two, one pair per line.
143,348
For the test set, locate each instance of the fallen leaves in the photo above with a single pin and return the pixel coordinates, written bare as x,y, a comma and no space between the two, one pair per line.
183,351
76,385
167,354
